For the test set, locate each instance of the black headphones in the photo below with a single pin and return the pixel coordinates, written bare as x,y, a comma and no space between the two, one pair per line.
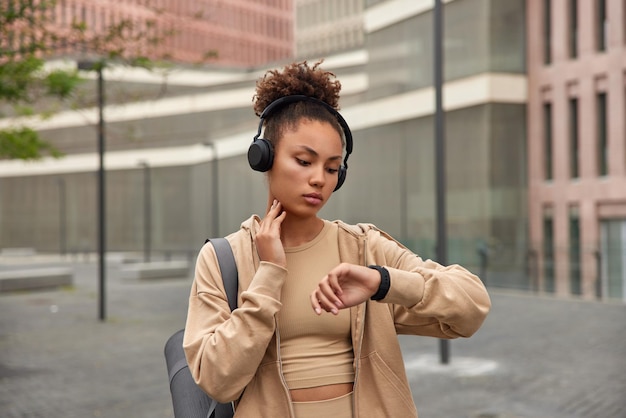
261,151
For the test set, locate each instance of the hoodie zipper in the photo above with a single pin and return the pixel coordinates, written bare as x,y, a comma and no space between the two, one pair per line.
360,317
280,369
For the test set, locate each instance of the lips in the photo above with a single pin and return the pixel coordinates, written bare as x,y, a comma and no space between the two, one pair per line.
313,198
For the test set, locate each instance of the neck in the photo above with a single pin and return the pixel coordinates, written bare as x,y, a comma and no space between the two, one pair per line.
297,231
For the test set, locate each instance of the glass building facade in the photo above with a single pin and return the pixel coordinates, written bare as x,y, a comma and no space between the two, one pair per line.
485,140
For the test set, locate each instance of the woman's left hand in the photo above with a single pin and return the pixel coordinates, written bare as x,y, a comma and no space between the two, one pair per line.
344,286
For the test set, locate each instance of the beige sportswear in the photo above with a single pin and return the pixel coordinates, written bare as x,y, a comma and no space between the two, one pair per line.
235,356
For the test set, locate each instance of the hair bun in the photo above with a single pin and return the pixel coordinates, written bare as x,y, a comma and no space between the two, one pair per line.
297,78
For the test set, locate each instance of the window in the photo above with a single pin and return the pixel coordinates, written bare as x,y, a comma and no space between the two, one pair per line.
547,140
574,252
548,251
63,13
624,24
53,12
547,29
602,132
602,25
613,258
573,28
573,138
21,44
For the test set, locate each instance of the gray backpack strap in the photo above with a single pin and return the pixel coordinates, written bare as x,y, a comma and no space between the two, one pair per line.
230,277
188,399
228,267
211,408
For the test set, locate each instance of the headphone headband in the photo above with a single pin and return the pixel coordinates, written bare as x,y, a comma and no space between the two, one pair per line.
261,154
285,100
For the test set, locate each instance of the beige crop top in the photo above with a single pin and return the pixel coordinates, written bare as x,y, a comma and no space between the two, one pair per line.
315,350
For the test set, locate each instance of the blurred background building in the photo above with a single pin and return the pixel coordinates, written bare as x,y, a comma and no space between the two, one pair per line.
325,27
534,100
237,33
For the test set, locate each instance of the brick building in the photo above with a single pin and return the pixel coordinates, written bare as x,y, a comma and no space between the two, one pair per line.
233,33
577,145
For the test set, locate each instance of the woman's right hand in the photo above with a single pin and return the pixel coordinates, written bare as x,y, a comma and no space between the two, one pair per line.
268,243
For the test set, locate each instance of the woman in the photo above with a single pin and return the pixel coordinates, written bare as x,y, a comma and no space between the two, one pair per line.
320,303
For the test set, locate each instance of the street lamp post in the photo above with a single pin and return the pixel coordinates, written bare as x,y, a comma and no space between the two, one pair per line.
147,211
440,155
215,204
62,216
98,66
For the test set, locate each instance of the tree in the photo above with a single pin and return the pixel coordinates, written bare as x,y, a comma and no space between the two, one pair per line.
30,33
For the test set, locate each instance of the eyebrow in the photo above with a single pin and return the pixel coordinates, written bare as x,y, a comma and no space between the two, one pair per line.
311,151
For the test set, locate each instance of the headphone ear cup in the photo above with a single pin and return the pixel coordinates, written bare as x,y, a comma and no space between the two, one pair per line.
261,155
341,177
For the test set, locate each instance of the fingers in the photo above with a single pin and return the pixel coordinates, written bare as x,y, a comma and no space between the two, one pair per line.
281,217
345,286
272,221
326,296
275,212
323,303
275,207
267,239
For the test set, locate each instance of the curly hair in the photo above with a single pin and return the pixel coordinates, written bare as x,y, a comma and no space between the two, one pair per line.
297,78
302,79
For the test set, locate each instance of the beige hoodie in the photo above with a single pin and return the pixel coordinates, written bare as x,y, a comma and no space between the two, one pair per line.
236,356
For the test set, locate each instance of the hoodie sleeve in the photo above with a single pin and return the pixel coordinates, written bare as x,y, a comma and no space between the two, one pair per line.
427,298
224,349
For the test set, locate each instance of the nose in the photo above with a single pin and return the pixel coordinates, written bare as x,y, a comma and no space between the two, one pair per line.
318,176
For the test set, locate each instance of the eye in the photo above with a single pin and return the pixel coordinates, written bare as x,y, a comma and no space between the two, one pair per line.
332,170
303,162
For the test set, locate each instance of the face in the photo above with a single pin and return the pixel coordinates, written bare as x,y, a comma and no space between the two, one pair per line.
305,169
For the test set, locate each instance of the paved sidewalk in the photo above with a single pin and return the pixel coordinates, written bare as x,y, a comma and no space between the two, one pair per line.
535,357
